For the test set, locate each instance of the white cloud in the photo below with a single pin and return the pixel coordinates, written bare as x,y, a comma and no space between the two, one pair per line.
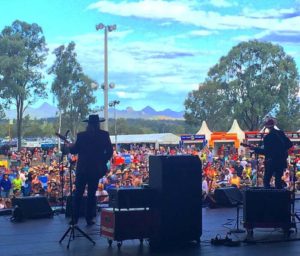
130,95
142,66
243,38
249,12
202,32
188,13
166,24
221,3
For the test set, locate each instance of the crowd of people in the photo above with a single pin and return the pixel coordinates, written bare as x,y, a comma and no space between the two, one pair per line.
34,172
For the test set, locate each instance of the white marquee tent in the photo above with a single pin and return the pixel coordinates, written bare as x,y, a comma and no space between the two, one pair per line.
155,138
235,128
204,130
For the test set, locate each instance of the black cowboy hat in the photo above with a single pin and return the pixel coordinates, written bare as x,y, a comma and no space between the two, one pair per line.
94,119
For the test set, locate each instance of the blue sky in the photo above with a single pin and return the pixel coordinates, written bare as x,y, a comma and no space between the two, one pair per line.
161,49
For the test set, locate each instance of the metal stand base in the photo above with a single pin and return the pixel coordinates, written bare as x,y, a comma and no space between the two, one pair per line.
294,223
71,230
237,230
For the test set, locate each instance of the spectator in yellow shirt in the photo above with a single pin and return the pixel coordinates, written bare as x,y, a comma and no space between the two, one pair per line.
235,180
17,183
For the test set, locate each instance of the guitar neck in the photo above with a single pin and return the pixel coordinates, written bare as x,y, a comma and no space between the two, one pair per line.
246,145
62,137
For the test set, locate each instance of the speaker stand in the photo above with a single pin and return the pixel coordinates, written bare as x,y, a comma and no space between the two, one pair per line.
237,230
71,230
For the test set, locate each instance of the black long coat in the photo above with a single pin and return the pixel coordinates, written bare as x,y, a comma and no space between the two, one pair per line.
276,145
94,149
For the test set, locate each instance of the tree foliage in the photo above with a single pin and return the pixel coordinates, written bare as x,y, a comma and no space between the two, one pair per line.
144,126
255,79
22,55
71,87
47,127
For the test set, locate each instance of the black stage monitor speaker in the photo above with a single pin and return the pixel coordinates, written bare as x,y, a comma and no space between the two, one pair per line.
229,196
32,207
176,181
267,208
134,197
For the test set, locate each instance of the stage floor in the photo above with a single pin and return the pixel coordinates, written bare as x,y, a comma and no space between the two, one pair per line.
41,237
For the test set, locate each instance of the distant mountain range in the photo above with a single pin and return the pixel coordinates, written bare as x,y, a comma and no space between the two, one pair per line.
47,111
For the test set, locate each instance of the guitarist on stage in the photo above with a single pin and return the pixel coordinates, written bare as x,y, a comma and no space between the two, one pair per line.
275,148
94,150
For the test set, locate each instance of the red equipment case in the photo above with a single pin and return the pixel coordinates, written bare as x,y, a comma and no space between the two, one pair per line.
124,224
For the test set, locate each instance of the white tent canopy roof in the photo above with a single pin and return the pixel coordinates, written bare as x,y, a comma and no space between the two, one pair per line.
158,138
235,128
204,130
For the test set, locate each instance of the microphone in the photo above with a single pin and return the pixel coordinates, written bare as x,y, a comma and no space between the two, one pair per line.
67,132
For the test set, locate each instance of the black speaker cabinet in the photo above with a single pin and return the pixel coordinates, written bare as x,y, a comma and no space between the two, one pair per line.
267,208
178,206
33,207
228,196
134,197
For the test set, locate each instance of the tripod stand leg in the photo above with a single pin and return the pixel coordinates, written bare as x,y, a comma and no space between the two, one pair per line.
65,234
85,235
72,236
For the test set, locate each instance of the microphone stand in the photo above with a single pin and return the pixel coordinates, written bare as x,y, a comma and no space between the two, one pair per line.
293,199
73,227
61,175
256,156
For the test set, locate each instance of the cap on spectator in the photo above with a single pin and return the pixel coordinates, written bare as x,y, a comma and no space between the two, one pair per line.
118,172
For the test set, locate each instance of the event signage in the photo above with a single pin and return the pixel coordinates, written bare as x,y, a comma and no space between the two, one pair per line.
254,136
192,137
293,135
259,135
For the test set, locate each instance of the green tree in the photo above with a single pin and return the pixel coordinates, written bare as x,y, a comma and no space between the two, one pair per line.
71,87
22,55
255,79
37,127
206,104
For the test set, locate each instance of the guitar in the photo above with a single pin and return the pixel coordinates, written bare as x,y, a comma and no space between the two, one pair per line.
248,145
63,137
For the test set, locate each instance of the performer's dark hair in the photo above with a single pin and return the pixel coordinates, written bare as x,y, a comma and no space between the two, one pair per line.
92,127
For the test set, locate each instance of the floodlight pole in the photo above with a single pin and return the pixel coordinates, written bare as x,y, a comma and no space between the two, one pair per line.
107,28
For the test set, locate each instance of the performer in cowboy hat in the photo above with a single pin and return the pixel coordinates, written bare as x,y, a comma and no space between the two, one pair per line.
94,150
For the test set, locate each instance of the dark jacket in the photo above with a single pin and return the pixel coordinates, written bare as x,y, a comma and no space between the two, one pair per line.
94,150
5,185
276,145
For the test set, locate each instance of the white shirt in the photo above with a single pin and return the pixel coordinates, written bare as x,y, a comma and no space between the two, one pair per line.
204,186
